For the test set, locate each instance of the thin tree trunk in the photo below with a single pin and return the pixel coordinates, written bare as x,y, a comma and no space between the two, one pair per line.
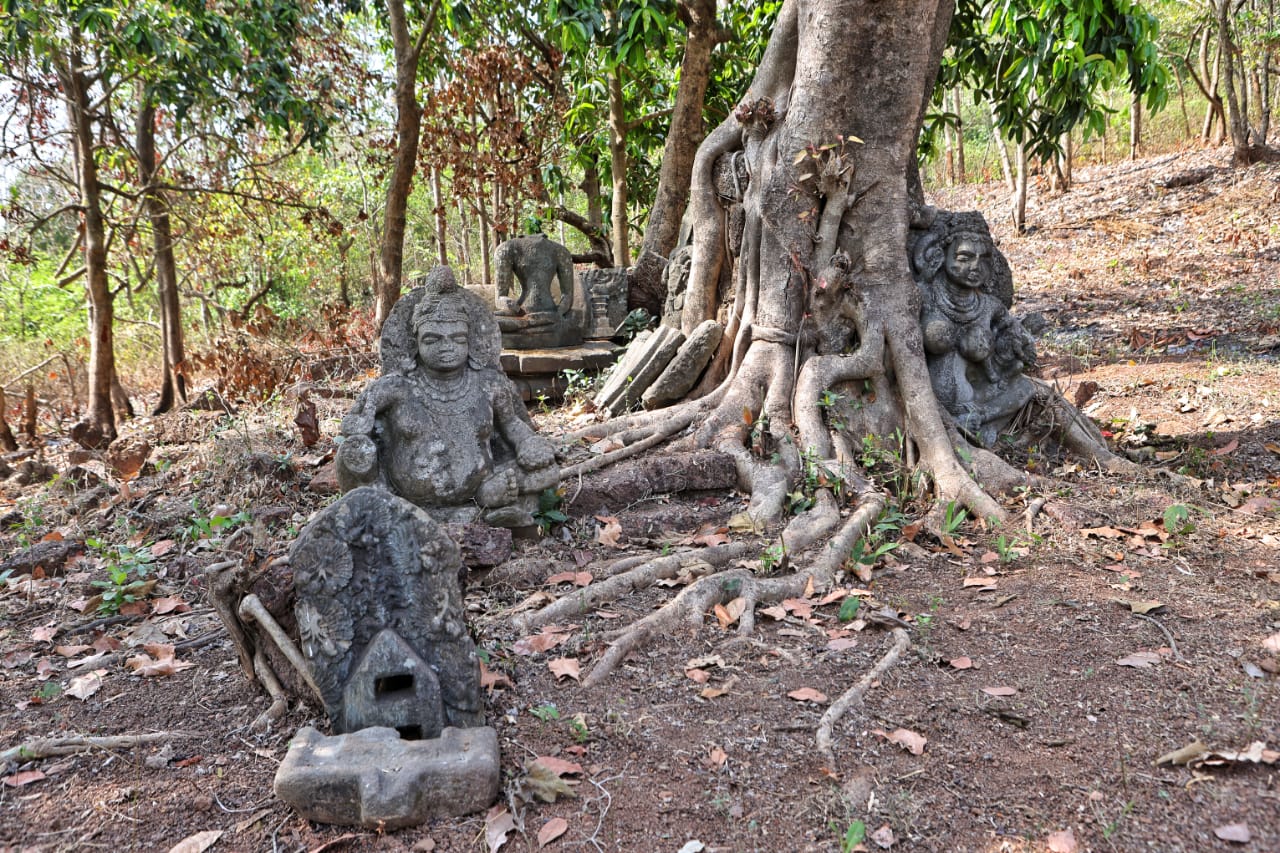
7,442
173,384
1068,156
1020,190
1235,118
1135,125
590,187
662,231
486,239
1005,167
102,362
408,126
442,223
959,103
464,242
618,168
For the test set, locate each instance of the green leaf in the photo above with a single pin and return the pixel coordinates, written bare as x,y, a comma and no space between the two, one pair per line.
849,609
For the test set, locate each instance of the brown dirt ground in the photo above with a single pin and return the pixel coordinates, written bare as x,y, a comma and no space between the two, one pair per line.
1168,299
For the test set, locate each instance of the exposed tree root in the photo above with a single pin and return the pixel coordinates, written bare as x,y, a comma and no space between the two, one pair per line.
279,701
656,437
854,696
49,747
640,577
693,601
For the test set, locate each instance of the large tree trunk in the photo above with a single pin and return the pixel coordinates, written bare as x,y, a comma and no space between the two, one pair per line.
408,126
825,77
173,384
102,360
663,229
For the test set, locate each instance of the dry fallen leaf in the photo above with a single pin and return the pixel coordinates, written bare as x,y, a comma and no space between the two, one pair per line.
26,777
717,757
905,738
550,637
698,676
542,782
169,604
551,830
883,837
197,843
1063,841
841,644
999,691
610,531
729,613
491,680
1142,608
808,694
163,664
44,634
962,662
1237,833
1272,643
497,824
84,686
564,668
559,766
1185,755
1139,660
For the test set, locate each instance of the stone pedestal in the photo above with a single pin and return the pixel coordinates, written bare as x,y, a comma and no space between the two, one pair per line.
372,778
539,373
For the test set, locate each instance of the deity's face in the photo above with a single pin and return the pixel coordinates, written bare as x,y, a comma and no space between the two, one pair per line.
443,345
966,263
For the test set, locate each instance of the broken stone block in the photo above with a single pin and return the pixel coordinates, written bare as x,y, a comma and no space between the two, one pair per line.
373,778
682,373
606,298
127,454
644,361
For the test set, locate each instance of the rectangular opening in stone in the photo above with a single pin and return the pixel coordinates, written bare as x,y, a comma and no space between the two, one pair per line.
389,685
410,732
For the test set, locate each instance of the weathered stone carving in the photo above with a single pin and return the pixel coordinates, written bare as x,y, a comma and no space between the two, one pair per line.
606,290
535,319
675,278
976,349
380,617
443,427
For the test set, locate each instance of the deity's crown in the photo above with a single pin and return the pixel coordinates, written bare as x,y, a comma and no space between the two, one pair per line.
443,300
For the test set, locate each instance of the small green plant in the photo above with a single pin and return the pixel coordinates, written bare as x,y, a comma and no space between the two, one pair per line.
880,539
849,609
578,385
202,526
1177,520
549,513
579,729
852,836
954,518
773,558
127,568
1007,548
547,712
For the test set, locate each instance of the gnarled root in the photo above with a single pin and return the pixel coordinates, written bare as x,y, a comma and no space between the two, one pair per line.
693,601
854,696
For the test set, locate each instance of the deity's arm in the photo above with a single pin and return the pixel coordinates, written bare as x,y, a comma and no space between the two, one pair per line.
533,451
357,459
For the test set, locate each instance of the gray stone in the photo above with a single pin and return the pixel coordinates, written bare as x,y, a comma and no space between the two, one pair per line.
444,427
682,373
654,356
380,616
623,370
374,779
675,278
537,318
977,350
605,292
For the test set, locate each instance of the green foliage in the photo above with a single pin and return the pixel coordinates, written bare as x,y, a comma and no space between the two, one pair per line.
1043,64
773,559
879,541
212,526
852,837
549,513
547,712
954,518
126,566
849,609
1177,520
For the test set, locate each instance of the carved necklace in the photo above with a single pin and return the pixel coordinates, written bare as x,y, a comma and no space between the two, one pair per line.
960,314
450,396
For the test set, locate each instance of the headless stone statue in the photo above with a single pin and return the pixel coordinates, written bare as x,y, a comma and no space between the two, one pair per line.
535,319
443,427
977,350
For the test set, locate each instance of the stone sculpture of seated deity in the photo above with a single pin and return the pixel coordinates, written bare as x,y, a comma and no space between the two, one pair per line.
443,427
976,349
535,318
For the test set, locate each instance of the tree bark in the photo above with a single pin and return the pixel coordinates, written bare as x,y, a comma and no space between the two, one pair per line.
959,102
618,168
1135,125
408,127
442,223
1237,120
1019,200
173,383
102,362
662,231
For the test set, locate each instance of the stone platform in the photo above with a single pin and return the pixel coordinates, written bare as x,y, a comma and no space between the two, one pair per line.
537,372
372,778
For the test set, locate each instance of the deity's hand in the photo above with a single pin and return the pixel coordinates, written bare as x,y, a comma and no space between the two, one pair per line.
500,489
534,453
358,457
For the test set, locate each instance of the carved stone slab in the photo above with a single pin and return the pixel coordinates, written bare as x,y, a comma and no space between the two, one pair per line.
683,371
372,778
645,359
379,610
